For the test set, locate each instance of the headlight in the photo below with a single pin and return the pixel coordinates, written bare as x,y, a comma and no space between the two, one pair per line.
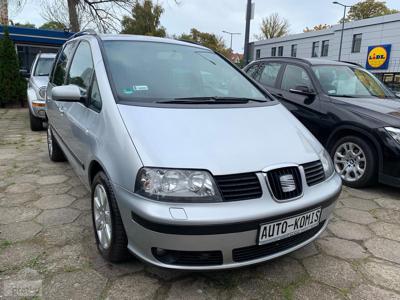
326,163
42,92
394,132
177,185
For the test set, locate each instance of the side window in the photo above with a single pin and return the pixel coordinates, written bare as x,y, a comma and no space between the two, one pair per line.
95,98
269,74
60,69
295,76
81,70
252,71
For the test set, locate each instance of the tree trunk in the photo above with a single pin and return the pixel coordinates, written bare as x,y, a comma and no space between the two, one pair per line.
73,15
4,12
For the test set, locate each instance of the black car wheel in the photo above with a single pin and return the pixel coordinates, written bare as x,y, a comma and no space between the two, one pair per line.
55,152
35,122
355,161
109,230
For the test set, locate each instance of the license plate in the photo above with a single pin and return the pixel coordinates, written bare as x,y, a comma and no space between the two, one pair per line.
284,228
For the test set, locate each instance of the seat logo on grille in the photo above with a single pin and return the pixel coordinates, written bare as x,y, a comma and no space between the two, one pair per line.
287,183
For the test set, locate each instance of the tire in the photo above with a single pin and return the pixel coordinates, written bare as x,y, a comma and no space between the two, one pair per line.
55,152
35,122
365,159
116,249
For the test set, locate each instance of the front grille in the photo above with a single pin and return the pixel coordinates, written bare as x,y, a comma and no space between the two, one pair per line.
291,188
188,258
239,186
258,251
314,172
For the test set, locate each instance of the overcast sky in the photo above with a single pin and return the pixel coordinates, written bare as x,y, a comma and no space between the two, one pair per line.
218,15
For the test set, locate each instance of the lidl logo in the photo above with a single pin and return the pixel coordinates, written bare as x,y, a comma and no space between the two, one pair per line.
378,57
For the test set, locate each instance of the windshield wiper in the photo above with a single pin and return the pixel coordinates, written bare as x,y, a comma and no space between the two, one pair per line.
343,96
211,100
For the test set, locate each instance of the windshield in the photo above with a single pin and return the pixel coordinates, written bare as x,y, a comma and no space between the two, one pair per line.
151,71
345,81
43,66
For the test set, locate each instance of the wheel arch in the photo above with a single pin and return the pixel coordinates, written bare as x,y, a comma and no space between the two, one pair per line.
348,130
94,167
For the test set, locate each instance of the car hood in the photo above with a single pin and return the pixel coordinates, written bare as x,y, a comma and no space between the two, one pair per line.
384,106
40,81
221,140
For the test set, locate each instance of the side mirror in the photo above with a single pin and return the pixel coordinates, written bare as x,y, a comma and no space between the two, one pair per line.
67,93
302,90
24,73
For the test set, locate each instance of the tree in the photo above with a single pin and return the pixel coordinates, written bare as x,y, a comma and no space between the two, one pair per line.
26,25
52,25
145,19
206,39
273,26
12,86
78,14
18,4
317,27
368,9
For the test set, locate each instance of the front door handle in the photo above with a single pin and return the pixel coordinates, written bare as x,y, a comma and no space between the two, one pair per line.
61,109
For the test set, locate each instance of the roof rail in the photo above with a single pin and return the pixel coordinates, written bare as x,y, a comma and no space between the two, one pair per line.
351,63
83,32
190,42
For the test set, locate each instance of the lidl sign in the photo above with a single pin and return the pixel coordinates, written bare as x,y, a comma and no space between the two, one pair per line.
378,57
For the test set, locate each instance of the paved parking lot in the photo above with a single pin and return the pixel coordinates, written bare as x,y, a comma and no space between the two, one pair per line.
47,246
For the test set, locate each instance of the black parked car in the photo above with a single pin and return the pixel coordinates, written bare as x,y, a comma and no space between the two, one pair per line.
350,111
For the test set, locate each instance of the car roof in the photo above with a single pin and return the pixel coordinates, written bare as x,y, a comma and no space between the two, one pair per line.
309,61
144,38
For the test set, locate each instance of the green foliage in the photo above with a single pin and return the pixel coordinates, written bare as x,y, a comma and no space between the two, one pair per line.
317,27
206,39
12,85
26,25
273,26
53,25
145,19
368,9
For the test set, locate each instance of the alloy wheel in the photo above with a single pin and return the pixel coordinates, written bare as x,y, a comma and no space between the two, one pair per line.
102,216
350,161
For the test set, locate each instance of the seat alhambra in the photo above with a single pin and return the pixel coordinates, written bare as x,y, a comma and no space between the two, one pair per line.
191,165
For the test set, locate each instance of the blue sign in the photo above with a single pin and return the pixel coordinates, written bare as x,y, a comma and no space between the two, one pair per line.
378,57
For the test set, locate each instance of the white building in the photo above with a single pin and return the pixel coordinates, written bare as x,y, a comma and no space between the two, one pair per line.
375,38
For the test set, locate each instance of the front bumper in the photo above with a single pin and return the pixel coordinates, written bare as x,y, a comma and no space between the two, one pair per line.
38,108
226,227
389,168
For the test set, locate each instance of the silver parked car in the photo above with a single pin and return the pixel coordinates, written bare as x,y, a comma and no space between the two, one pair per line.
37,83
191,165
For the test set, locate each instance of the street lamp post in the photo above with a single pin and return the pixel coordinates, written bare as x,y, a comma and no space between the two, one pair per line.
231,34
247,33
341,34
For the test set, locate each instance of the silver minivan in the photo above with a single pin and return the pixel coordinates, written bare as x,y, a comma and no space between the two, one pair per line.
191,165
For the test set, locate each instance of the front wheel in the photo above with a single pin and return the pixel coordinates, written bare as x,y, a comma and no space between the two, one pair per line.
355,161
35,122
55,152
109,231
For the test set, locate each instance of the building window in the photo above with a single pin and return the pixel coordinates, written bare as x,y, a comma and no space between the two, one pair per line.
325,48
258,53
273,51
315,49
293,52
280,51
356,46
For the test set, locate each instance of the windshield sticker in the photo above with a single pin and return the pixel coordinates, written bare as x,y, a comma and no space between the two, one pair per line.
140,88
128,91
